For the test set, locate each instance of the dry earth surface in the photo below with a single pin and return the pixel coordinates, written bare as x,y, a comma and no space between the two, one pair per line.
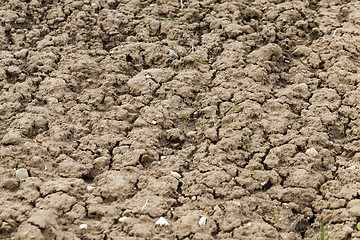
244,114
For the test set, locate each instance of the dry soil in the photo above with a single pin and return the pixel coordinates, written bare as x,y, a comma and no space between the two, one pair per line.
124,111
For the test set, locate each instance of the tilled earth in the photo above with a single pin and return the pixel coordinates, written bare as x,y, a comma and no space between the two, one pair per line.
244,114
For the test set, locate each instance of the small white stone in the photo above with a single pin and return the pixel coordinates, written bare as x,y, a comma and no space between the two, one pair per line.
311,151
83,226
202,221
176,175
122,219
90,188
191,133
52,100
154,122
331,142
303,86
173,54
161,222
249,224
334,168
21,173
263,183
147,76
193,198
163,157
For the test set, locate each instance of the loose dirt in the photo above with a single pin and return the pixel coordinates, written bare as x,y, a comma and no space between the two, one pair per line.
244,114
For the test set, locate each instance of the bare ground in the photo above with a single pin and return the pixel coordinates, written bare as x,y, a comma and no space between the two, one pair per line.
251,122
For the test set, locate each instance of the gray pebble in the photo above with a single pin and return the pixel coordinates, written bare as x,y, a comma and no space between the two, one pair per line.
173,54
21,173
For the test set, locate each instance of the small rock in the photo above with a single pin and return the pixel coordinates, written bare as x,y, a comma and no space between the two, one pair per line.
193,198
83,226
52,100
249,224
173,54
21,173
163,157
191,133
176,175
202,221
311,151
161,222
90,188
303,86
122,219
146,160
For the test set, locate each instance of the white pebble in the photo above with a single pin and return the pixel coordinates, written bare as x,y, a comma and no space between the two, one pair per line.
334,168
249,224
21,173
311,151
304,86
161,222
154,122
331,142
83,226
202,221
163,157
176,175
147,76
193,198
190,133
52,100
173,54
122,219
263,183
90,188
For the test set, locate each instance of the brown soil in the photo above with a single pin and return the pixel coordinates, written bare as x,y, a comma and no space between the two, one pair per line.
252,120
